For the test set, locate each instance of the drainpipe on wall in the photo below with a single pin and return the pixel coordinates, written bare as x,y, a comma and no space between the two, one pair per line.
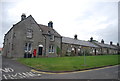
101,50
45,46
61,46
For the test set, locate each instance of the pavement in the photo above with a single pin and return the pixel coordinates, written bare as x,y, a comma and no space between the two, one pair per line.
11,69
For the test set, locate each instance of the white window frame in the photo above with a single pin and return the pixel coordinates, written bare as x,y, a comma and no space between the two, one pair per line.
79,49
68,50
29,33
51,49
27,48
52,37
73,49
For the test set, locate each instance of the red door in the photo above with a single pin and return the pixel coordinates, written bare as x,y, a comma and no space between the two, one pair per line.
34,52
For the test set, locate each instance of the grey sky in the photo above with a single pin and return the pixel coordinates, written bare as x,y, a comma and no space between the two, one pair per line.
86,18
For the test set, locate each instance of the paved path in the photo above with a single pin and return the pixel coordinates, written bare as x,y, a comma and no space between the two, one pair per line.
14,70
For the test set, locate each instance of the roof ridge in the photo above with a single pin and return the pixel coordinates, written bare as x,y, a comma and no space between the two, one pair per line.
46,28
75,39
79,42
104,43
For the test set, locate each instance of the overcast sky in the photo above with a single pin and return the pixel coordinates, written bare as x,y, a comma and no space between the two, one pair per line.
86,18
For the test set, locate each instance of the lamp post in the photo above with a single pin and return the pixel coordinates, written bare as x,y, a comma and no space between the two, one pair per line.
84,56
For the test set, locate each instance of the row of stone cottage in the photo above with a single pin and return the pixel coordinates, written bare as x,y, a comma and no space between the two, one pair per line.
27,37
79,47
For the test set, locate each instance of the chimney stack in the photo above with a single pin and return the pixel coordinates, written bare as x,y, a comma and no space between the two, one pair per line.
102,41
111,43
91,39
117,44
50,24
23,16
75,37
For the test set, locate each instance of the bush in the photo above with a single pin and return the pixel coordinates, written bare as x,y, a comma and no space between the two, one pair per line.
58,50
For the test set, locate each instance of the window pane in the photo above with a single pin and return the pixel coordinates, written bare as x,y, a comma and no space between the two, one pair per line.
25,46
52,48
29,47
51,37
29,33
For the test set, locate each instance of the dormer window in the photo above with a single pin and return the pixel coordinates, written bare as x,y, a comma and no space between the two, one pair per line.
29,33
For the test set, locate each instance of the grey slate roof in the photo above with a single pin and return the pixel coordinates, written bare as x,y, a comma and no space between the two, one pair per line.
77,42
116,46
45,30
105,45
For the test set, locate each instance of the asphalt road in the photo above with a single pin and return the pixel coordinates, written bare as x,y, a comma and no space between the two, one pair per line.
11,69
104,73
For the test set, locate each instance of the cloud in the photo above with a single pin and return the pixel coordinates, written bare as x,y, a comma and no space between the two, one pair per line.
83,17
101,17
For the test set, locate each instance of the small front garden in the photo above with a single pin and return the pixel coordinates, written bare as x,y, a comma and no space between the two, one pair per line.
70,63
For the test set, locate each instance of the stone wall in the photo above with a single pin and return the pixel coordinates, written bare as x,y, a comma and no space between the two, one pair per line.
77,50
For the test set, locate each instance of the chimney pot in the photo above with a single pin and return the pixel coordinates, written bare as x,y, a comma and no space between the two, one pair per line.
91,39
50,24
111,43
117,44
102,41
23,16
75,37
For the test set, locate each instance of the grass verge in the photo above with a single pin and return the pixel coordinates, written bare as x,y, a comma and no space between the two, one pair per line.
70,63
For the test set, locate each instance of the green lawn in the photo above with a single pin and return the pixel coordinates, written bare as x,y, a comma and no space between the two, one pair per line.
70,63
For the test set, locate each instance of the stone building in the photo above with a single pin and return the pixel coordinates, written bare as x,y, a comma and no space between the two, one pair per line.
27,35
105,48
28,39
116,46
0,51
52,40
76,47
